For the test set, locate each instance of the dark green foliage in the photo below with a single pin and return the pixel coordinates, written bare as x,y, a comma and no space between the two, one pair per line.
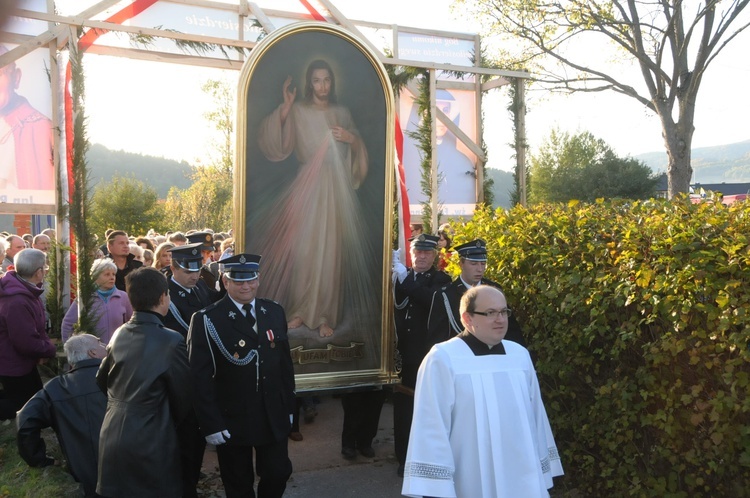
585,168
423,137
80,202
126,204
56,290
638,316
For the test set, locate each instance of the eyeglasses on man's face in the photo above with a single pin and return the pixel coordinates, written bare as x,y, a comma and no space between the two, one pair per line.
493,314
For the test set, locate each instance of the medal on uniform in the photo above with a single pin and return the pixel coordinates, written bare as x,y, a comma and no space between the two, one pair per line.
269,334
242,343
236,355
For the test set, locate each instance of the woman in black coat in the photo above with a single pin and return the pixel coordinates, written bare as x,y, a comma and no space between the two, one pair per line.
146,378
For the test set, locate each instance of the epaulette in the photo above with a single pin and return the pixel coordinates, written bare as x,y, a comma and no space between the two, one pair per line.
207,308
267,300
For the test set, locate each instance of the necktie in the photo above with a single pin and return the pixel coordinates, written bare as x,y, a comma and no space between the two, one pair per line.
249,314
199,297
192,299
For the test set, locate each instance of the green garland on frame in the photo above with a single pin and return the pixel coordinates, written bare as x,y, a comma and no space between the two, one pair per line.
399,76
80,202
423,136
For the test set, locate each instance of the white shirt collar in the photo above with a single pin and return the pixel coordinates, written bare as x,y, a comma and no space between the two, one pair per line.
180,285
239,305
468,286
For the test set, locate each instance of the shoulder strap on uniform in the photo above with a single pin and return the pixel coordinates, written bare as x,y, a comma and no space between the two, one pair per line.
240,362
176,314
449,312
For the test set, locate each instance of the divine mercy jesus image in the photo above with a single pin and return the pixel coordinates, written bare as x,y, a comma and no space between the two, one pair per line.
319,245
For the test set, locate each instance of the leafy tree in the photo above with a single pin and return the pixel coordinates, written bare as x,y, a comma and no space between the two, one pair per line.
672,43
207,203
221,116
584,167
126,204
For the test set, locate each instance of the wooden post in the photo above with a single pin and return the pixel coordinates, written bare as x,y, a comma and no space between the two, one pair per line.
479,168
520,112
434,201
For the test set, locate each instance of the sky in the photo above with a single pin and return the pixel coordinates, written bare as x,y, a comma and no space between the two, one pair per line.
157,109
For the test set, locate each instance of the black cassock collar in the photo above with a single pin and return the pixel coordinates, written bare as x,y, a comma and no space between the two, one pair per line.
478,347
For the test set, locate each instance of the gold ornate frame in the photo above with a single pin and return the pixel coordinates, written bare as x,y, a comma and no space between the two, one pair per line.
324,365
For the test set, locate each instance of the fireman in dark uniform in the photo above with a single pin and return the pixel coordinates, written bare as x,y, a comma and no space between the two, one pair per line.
206,241
413,290
187,291
244,382
445,320
188,294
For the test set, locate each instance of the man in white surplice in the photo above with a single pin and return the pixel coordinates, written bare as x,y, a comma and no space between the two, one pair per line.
480,428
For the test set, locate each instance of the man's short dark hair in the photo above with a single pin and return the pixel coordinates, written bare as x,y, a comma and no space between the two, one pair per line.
115,233
145,287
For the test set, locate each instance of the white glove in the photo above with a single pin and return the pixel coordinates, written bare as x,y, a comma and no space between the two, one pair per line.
218,438
399,271
397,267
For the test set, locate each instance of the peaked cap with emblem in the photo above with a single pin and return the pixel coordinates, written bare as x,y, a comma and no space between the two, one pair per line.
205,238
476,250
241,267
187,257
425,242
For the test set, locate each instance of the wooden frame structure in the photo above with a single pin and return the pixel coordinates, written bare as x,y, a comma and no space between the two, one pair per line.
62,28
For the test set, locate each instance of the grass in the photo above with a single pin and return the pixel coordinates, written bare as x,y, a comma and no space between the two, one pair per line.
18,480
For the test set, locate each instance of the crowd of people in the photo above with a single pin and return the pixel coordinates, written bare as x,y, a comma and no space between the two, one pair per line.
184,353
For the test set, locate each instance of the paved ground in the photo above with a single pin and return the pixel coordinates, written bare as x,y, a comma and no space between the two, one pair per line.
319,468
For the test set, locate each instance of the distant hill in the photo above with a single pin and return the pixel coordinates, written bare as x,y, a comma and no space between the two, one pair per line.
502,187
158,172
722,163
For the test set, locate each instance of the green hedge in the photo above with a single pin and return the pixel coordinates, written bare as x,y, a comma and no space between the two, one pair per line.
638,317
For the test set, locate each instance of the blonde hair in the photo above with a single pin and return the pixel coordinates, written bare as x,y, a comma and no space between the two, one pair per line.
161,249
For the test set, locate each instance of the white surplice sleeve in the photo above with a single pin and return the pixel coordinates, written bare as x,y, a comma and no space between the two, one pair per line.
429,465
546,448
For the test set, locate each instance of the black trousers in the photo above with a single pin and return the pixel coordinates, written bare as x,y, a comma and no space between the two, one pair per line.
361,418
403,413
17,391
192,446
272,465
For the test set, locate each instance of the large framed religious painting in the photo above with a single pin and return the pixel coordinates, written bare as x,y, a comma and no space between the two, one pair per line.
313,197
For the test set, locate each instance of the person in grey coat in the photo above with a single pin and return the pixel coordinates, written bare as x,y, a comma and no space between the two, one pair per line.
147,381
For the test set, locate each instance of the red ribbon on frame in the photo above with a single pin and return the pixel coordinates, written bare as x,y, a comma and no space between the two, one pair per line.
84,43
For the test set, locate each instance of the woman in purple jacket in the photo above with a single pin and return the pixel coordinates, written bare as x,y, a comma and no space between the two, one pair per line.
23,340
111,306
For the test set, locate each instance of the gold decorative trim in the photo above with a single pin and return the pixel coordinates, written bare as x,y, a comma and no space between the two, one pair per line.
384,374
302,356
